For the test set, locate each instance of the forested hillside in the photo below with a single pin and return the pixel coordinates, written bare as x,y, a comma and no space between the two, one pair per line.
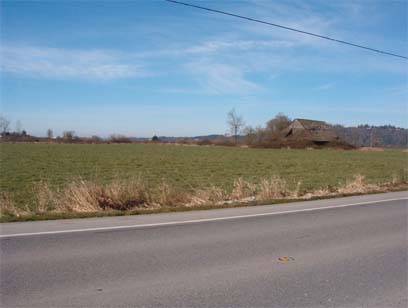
374,136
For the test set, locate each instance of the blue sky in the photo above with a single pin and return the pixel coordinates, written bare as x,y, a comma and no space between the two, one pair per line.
150,67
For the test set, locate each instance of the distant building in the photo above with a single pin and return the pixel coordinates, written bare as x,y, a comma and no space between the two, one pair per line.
317,131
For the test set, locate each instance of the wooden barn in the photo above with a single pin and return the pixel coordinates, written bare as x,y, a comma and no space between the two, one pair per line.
318,132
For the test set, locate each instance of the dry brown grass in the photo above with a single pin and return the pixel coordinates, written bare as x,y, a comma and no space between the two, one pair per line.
243,189
167,195
273,188
8,207
212,195
79,196
124,194
321,192
129,194
357,185
87,196
268,189
397,179
45,198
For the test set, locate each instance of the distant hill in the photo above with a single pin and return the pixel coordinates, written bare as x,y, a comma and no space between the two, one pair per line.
194,138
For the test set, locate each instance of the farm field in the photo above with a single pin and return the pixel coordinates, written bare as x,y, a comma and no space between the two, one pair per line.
187,167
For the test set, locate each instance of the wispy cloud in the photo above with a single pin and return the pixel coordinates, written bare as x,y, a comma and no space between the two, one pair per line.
55,63
325,86
216,78
183,91
215,46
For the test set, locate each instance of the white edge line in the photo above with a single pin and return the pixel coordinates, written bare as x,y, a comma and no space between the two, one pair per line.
184,222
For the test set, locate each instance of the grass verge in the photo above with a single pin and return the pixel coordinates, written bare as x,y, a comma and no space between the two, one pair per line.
135,196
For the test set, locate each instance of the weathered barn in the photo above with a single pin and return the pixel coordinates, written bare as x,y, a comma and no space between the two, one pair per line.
318,132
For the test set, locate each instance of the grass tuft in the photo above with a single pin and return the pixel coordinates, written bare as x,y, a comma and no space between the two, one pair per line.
8,207
273,188
79,196
123,195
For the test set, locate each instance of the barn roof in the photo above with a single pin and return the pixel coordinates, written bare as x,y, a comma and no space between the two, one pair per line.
312,124
312,129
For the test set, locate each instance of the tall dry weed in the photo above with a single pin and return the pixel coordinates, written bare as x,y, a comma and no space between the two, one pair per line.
242,189
8,207
124,194
357,185
297,191
210,196
400,177
273,188
45,198
167,195
81,196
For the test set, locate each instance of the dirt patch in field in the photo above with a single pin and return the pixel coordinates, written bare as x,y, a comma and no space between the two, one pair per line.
371,149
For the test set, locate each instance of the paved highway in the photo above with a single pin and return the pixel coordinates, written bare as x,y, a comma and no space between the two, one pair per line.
347,252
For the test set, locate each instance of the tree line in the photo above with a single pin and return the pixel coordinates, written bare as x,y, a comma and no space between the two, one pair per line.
239,134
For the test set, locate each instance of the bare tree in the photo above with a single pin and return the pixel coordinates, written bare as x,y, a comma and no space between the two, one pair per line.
278,123
355,136
235,123
50,133
255,136
4,124
250,135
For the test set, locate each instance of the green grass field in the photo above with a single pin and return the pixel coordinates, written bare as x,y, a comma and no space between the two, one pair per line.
187,167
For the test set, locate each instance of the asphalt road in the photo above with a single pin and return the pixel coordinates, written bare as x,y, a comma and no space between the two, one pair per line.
349,252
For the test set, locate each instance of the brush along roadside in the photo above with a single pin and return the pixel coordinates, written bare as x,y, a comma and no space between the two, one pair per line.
127,195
